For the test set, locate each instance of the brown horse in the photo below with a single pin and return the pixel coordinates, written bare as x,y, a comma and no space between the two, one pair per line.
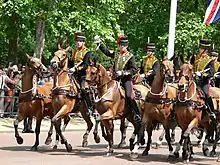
34,100
66,97
189,109
158,105
111,103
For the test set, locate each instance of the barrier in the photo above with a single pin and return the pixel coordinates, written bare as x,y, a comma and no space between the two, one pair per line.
10,105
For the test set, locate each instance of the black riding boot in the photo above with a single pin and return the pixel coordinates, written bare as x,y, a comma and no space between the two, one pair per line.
87,101
29,125
210,109
137,114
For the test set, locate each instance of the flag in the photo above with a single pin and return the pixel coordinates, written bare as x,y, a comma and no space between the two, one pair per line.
212,14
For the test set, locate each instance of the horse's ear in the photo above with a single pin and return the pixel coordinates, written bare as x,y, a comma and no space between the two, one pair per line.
192,59
67,49
59,47
182,59
28,57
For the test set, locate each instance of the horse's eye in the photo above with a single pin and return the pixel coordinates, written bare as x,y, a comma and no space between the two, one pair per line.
93,73
187,78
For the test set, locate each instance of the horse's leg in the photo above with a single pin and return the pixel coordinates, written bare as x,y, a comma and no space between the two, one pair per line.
217,138
159,141
66,121
108,123
50,132
149,140
173,127
95,132
57,123
89,123
205,148
123,129
190,149
104,135
18,119
185,154
178,147
168,139
134,150
37,132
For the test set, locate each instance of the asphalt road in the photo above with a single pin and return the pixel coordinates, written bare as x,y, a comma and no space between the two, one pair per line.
13,154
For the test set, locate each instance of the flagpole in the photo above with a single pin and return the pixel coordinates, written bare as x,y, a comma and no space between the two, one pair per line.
171,41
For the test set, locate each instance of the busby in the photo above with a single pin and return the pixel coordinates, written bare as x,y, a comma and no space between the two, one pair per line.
150,47
122,40
214,53
80,36
205,44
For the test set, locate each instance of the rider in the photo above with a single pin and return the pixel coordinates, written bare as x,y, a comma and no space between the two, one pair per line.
214,55
124,68
202,62
79,62
150,64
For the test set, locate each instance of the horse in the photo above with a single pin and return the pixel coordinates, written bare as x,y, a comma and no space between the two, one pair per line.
189,111
34,100
158,106
66,97
111,102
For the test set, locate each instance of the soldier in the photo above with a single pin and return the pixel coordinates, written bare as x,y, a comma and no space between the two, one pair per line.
202,62
79,62
214,55
150,64
124,69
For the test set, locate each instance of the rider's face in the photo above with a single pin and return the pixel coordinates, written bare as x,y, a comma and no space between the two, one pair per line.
150,53
123,48
79,44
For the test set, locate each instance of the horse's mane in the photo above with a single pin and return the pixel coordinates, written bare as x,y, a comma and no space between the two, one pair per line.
103,70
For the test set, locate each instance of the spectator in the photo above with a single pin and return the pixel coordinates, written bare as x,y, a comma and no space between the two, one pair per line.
3,80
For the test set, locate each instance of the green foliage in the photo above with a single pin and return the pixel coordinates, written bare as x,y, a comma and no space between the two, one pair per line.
139,19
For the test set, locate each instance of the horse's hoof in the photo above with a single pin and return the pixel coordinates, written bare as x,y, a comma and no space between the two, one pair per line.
145,153
48,141
19,140
68,147
133,155
212,153
205,152
186,161
84,143
54,147
122,144
34,148
176,154
97,139
191,158
142,141
171,158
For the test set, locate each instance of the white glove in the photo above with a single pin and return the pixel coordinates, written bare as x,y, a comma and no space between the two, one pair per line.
119,73
142,75
198,74
97,39
72,70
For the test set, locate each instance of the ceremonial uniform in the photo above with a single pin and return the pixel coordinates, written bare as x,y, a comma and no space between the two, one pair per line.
214,54
204,61
150,64
78,63
124,68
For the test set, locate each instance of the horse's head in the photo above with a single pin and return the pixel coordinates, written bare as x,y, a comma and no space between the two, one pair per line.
167,69
36,65
60,59
186,76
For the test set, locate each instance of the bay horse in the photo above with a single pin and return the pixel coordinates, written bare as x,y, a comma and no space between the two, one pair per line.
189,111
158,106
34,100
111,103
66,97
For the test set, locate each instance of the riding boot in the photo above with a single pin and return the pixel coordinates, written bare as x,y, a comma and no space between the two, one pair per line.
137,114
210,109
25,126
29,125
87,101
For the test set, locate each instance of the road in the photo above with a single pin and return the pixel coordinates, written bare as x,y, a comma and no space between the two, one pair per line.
13,154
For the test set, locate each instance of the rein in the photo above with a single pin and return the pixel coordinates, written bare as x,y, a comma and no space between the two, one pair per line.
187,99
